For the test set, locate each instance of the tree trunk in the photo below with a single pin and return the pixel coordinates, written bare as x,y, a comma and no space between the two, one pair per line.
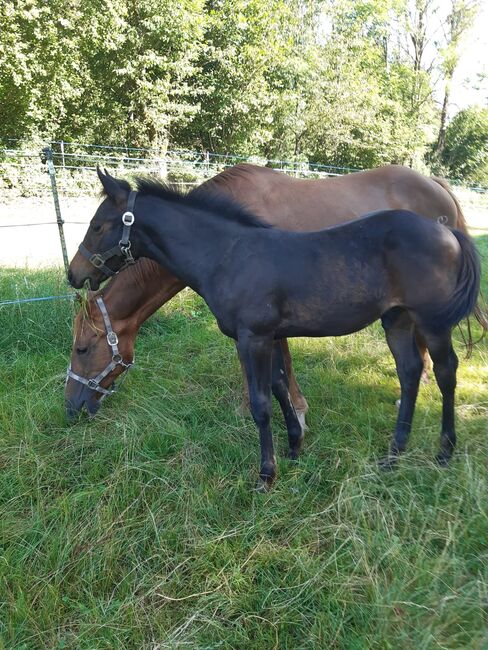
441,139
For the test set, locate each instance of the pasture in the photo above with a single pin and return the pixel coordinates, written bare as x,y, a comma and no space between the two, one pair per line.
141,528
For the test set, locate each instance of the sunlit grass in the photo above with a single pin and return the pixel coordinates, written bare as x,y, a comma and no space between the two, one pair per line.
141,529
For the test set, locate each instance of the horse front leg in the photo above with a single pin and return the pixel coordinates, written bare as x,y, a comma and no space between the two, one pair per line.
255,352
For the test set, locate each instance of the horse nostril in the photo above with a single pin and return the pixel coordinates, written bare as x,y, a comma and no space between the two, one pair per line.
81,350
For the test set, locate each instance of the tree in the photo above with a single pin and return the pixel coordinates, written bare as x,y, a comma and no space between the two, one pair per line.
465,153
459,21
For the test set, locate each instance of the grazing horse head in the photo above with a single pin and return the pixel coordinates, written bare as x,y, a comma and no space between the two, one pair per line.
103,348
128,301
110,233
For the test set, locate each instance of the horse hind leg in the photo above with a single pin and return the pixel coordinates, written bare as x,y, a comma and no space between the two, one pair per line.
426,360
280,388
296,395
424,353
400,336
445,368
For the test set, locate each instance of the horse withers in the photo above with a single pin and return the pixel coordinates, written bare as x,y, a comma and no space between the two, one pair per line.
263,284
294,204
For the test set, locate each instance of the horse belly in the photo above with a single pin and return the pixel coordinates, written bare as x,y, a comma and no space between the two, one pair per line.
329,319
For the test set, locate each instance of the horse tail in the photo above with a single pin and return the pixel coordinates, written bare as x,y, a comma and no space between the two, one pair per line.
465,294
480,310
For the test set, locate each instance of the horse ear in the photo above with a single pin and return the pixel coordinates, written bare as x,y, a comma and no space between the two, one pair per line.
112,187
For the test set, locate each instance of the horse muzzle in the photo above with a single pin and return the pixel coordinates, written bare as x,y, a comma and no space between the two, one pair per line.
78,397
80,271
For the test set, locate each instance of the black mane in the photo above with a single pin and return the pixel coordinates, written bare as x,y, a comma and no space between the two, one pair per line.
208,201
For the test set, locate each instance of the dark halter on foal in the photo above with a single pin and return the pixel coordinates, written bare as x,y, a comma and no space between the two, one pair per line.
112,340
122,249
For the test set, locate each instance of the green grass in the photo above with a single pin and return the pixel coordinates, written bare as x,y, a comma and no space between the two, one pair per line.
141,528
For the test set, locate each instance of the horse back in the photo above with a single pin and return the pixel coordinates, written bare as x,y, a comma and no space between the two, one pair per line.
310,205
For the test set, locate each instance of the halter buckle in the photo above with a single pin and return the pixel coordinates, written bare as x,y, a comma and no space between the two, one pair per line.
112,338
93,384
128,218
97,260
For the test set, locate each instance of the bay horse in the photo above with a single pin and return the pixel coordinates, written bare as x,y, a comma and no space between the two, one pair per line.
263,284
138,291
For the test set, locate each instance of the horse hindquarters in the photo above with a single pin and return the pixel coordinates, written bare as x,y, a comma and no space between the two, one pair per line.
435,328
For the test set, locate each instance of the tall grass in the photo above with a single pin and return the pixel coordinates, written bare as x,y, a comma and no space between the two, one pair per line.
141,528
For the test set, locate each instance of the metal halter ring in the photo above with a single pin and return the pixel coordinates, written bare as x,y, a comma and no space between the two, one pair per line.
128,218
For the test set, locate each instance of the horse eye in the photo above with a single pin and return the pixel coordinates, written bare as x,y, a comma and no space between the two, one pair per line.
96,228
83,350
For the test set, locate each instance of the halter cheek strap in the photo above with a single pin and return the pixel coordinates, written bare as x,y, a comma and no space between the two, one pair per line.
122,249
112,340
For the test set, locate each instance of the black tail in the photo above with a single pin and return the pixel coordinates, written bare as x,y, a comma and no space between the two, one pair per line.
480,311
463,300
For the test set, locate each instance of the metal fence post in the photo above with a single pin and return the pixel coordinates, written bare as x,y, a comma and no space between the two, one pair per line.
48,153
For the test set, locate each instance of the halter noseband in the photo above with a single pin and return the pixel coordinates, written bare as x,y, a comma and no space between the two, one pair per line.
112,340
122,249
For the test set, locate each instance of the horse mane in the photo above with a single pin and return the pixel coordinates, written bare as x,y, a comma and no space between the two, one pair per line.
207,201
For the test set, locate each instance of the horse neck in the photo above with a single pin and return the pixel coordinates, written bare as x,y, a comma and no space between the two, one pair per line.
138,291
186,240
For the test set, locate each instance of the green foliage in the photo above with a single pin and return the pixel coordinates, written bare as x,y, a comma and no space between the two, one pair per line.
465,153
99,72
333,81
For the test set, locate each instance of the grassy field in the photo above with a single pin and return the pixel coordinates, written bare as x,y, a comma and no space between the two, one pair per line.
140,529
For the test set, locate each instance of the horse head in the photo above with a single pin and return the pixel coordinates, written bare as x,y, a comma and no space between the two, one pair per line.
107,246
103,348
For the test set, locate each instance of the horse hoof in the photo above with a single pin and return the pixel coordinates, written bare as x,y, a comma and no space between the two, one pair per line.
263,485
293,455
442,460
388,463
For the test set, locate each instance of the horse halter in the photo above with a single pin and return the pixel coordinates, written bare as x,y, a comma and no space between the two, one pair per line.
122,249
112,340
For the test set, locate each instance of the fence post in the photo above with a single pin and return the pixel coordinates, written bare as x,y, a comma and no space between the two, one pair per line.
48,153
